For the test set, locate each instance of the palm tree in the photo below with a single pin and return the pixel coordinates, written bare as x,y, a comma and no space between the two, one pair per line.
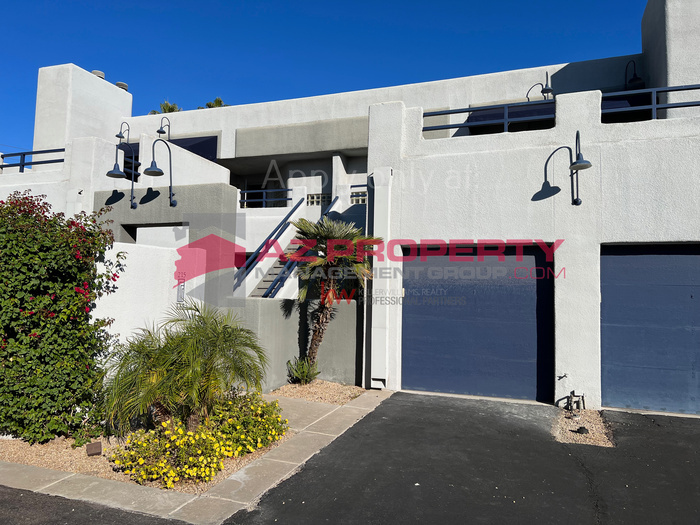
166,107
328,276
217,103
183,367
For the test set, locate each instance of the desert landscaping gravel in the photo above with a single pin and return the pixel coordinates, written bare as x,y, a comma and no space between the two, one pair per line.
567,428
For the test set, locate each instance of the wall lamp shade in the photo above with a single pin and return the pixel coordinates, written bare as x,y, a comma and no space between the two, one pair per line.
580,163
153,170
116,172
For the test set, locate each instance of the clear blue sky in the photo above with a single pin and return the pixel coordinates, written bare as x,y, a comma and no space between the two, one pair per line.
190,52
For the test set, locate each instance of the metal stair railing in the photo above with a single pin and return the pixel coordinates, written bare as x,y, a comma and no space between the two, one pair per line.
291,265
252,261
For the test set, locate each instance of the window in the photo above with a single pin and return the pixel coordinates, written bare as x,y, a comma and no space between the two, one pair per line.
318,199
358,197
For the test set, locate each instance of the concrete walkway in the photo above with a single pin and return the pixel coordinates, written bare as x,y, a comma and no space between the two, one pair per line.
315,424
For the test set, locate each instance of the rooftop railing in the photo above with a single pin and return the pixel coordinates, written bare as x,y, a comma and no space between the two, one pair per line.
498,118
642,103
23,158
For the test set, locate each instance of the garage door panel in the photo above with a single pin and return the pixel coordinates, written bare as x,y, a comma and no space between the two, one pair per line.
650,327
481,336
641,303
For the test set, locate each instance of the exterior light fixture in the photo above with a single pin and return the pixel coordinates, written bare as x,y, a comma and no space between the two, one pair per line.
154,171
580,163
635,82
575,166
120,135
161,129
117,173
545,91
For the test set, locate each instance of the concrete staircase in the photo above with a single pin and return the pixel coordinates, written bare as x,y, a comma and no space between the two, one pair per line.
271,275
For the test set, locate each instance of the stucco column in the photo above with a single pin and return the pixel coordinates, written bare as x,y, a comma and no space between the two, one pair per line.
386,141
577,260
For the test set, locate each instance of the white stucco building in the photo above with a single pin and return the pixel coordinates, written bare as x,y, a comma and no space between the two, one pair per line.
589,280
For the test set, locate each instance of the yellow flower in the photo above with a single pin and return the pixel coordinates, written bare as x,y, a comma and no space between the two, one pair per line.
141,461
164,424
116,462
180,431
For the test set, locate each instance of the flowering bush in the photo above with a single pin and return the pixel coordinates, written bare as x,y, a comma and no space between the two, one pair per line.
49,341
170,454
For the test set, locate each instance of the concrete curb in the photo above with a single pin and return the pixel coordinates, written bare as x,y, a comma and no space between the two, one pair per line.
315,424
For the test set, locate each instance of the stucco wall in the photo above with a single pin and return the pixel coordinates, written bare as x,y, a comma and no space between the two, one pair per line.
481,188
277,325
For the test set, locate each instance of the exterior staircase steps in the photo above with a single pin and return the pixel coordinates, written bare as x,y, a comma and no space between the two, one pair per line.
270,276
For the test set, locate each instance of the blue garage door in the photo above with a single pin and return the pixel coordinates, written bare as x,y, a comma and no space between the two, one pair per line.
650,327
479,328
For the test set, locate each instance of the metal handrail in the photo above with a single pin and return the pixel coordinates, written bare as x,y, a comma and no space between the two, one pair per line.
291,265
252,261
265,199
506,120
654,106
23,155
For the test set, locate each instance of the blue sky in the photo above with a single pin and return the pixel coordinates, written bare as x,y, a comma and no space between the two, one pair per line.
190,52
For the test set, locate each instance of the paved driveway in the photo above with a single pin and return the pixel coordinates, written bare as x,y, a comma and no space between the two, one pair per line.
439,460
429,459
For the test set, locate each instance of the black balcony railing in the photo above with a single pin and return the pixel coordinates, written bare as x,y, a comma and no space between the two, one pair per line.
273,198
641,104
23,158
519,116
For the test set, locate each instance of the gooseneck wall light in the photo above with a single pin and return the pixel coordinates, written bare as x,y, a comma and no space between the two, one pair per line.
545,91
161,129
635,82
154,171
575,165
116,172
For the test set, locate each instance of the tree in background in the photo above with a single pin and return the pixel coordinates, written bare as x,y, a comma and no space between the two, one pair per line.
166,107
217,103
50,378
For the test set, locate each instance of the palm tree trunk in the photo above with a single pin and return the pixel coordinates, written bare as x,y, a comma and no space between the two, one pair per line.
322,317
193,421
160,413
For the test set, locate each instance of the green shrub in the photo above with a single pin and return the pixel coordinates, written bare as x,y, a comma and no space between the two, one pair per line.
249,422
302,371
183,367
171,454
50,342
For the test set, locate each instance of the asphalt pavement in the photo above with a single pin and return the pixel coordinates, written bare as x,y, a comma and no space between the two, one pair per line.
429,459
441,460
